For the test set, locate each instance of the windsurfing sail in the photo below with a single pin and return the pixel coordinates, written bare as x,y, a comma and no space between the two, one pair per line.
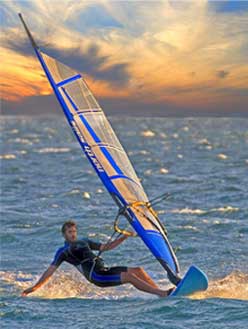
107,156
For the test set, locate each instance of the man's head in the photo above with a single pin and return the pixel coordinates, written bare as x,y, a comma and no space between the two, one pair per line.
69,231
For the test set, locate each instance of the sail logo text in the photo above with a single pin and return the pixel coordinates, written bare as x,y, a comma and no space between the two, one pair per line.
89,152
87,148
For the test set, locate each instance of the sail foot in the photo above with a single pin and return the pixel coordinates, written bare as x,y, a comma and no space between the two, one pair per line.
172,276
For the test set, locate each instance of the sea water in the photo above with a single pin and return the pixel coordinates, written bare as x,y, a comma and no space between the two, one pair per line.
201,162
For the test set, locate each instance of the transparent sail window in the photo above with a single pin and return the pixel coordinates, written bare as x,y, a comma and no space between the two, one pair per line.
130,191
59,71
81,95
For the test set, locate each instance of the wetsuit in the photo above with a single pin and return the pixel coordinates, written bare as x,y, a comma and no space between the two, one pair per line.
79,254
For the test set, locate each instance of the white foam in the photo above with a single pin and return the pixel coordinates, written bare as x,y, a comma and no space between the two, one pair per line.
54,205
147,133
163,171
54,150
14,131
226,209
163,135
188,211
202,212
186,128
189,227
204,141
86,195
22,141
222,156
74,191
148,172
63,284
144,152
8,156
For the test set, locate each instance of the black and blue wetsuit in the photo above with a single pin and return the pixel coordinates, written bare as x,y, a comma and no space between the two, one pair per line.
79,254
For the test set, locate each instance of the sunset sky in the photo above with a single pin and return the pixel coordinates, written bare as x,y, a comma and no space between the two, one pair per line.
170,57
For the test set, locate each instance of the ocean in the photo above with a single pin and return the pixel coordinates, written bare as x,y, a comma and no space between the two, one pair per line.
201,162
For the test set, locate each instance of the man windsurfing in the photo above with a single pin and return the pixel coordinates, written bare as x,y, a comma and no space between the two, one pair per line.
79,253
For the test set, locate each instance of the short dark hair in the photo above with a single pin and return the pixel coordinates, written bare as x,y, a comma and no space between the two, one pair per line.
66,225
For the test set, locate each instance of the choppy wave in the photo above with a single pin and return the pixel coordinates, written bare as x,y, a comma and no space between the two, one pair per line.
207,194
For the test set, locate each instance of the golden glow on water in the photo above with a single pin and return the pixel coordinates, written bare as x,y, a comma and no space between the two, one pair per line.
233,286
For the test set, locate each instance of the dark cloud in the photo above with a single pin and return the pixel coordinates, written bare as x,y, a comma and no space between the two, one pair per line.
235,92
206,89
18,45
222,74
33,105
178,90
91,62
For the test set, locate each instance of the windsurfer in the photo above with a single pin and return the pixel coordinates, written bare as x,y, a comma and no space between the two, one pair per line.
79,253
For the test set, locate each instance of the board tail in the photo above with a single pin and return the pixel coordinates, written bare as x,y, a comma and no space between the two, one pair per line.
194,280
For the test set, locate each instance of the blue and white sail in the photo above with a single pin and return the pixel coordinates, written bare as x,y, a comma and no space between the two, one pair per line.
104,151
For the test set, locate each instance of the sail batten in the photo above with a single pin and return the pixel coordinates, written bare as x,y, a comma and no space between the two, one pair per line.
69,80
107,156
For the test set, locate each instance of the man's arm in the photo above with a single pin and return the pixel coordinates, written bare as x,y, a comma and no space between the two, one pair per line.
43,279
113,244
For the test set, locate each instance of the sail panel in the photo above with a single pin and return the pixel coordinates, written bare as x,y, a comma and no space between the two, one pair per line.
81,95
129,190
58,70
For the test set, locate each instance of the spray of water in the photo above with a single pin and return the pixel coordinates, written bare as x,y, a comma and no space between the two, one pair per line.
72,285
233,286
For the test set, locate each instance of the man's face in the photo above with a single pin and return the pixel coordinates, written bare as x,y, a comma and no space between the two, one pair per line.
71,234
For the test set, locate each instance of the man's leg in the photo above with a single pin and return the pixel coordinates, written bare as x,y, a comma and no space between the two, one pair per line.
129,277
141,274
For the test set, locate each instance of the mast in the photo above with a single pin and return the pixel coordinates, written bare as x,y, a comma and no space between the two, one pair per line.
28,32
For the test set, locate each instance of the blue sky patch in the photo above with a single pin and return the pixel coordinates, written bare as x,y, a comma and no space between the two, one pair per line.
228,6
95,16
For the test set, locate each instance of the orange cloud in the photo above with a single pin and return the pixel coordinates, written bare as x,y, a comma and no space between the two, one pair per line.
21,76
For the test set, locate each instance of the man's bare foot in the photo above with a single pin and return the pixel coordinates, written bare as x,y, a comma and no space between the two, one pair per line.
165,293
